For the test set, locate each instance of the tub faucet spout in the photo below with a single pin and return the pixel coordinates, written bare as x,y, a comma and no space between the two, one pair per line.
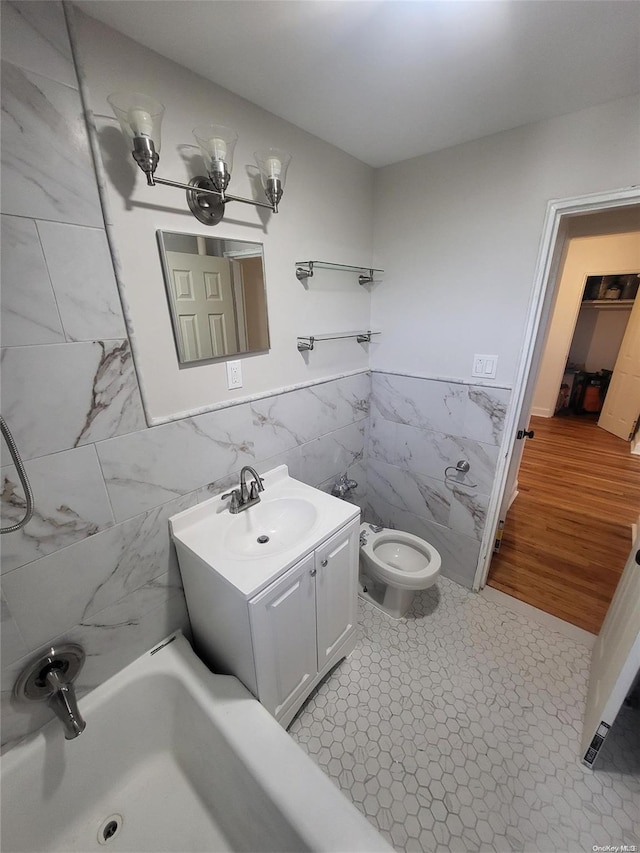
49,678
63,701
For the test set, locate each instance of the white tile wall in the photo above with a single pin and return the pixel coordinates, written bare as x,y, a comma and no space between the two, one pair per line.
29,310
420,427
95,563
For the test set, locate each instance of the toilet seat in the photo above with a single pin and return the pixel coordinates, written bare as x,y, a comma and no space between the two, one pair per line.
399,559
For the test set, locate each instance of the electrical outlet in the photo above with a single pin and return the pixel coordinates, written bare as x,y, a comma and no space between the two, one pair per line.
234,374
485,366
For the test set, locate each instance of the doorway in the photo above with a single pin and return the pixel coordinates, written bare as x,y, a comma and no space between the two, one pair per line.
567,535
604,213
565,539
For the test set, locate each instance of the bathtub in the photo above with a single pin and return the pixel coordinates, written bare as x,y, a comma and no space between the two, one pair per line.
173,759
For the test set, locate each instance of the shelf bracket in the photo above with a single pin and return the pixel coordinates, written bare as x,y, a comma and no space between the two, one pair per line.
366,279
306,346
305,272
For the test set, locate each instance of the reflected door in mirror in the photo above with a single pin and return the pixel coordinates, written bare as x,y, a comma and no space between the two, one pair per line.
216,293
204,308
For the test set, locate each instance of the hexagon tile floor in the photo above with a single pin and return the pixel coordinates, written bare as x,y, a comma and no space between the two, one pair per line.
457,728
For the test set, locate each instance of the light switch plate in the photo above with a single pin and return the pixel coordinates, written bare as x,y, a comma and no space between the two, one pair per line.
485,366
234,374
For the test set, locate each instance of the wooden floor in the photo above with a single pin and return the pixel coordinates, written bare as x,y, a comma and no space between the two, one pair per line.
568,533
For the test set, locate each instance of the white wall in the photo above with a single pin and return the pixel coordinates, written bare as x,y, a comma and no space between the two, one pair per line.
593,255
458,233
325,214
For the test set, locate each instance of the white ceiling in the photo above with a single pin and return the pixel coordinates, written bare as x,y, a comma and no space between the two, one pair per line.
392,79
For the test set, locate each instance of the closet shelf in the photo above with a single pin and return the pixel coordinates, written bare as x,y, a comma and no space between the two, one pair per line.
607,303
304,269
306,342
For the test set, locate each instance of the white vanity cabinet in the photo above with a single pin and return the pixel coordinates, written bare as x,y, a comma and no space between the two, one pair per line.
280,622
305,622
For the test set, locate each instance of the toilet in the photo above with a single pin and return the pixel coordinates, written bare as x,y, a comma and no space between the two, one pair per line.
393,566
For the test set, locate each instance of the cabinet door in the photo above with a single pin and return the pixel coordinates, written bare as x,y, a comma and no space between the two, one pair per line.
336,590
283,630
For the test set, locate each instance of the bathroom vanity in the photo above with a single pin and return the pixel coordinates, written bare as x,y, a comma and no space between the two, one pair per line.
272,591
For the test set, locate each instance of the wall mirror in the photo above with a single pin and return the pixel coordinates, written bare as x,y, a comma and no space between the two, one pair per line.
216,292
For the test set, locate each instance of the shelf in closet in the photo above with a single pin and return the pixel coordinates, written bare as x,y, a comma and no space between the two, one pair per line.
305,269
307,342
607,303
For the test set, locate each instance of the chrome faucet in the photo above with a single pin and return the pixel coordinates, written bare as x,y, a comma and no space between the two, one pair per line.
244,497
50,677
343,486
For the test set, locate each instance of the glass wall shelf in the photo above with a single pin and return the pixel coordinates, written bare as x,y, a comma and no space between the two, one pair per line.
304,269
306,342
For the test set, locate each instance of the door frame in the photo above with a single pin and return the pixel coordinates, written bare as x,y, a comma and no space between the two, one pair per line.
545,283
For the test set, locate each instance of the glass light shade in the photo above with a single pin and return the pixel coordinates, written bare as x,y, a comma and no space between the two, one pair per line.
216,142
138,114
273,163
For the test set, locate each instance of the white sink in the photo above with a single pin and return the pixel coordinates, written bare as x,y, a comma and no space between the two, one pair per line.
270,526
252,547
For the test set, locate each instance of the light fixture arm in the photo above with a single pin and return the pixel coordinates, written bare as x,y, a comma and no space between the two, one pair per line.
225,197
209,211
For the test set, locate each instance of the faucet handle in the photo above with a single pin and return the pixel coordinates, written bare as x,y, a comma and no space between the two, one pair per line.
234,494
255,488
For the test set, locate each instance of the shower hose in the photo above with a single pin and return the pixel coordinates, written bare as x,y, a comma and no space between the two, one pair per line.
22,474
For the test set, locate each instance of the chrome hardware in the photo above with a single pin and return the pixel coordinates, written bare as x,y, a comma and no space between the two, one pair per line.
306,343
50,677
304,269
461,467
313,573
234,506
324,563
363,538
244,497
376,528
343,486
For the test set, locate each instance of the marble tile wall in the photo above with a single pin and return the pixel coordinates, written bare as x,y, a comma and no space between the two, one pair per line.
417,428
95,564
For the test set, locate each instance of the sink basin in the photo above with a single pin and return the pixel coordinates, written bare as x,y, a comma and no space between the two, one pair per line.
251,548
270,526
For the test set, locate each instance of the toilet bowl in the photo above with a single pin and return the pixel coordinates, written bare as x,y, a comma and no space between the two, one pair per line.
393,566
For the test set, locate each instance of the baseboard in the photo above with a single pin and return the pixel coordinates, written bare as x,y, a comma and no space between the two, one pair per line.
542,413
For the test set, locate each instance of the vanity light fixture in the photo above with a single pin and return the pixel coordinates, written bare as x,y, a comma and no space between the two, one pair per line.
140,118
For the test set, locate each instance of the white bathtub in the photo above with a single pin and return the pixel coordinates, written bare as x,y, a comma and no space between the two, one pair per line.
173,759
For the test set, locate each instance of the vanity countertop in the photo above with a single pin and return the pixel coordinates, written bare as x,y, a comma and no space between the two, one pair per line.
291,516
